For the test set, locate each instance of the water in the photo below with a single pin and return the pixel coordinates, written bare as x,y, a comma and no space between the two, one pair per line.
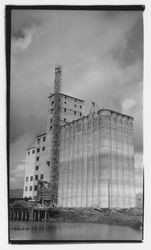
71,231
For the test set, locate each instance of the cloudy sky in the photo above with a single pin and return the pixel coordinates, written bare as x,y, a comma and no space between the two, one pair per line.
102,57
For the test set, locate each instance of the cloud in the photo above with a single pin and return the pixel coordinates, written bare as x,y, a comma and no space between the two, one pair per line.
127,105
22,38
17,176
102,57
131,48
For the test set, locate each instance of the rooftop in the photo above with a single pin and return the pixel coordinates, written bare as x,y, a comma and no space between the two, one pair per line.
50,95
112,111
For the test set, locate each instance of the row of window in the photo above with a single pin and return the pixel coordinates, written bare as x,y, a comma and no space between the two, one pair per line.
65,98
43,139
33,151
65,110
36,177
66,103
38,150
75,112
30,188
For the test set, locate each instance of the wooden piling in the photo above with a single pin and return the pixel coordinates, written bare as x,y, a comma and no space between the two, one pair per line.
38,215
22,214
45,215
25,215
14,214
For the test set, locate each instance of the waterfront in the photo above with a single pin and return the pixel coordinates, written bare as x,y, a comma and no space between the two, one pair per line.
83,231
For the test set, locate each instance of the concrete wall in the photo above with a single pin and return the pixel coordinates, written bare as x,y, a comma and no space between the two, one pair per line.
41,150
96,158
97,162
71,109
29,171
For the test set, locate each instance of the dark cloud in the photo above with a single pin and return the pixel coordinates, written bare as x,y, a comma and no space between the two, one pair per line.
131,50
21,19
102,59
18,34
23,29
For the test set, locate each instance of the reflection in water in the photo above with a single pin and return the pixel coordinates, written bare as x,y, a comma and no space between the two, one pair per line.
71,231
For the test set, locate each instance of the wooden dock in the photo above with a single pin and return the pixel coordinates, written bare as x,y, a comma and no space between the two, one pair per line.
29,214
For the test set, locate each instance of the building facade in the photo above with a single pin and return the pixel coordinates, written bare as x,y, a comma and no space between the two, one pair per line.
96,157
97,161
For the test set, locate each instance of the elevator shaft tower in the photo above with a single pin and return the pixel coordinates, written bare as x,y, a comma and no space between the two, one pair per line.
56,134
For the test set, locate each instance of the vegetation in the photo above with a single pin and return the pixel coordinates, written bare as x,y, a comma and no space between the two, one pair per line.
104,216
126,217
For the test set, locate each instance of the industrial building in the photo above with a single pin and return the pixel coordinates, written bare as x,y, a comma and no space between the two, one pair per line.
82,160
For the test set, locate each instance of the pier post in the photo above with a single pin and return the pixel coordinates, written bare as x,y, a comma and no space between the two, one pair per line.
14,214
10,213
45,215
17,215
31,215
34,215
38,215
22,214
25,215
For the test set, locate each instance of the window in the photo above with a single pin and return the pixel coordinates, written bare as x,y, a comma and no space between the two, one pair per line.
38,150
50,127
35,188
30,188
26,188
52,102
27,178
37,158
51,120
65,109
80,107
37,167
36,177
65,97
41,176
43,148
28,152
80,114
65,119
75,105
38,140
65,102
31,178
48,163
44,138
51,110
33,151
75,112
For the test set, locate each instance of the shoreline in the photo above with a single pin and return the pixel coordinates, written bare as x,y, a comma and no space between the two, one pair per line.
92,215
131,217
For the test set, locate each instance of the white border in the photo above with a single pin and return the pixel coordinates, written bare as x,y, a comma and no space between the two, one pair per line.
147,127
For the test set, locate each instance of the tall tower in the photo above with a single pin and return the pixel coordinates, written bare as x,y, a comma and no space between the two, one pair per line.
56,134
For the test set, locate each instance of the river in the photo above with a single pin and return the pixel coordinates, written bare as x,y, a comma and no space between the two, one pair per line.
71,231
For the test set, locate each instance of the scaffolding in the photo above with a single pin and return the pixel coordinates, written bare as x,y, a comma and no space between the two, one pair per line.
56,134
94,108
